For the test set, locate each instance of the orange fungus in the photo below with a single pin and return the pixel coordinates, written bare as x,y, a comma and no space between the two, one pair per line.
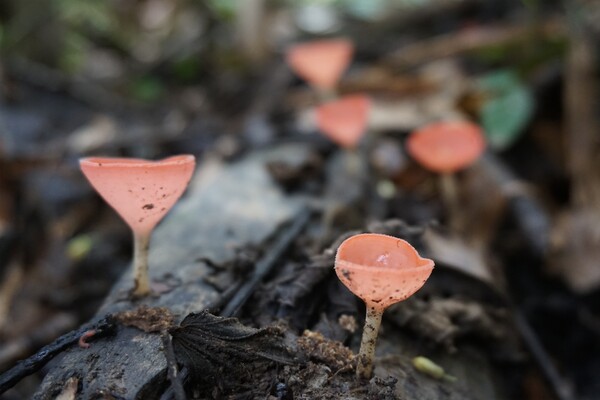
446,147
345,120
141,191
321,62
381,269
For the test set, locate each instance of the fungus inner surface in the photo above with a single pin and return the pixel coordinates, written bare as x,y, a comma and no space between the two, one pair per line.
141,191
380,269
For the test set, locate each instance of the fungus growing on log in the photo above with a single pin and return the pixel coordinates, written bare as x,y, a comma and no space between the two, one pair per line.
445,148
321,62
345,120
142,192
382,270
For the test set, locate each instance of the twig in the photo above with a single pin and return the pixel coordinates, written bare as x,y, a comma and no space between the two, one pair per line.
169,394
453,44
250,28
26,367
581,110
264,266
9,287
55,81
530,216
560,386
172,369
19,347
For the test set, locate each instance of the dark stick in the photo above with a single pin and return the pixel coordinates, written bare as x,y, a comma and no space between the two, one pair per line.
25,345
242,293
169,394
172,369
264,266
560,386
28,366
530,216
37,74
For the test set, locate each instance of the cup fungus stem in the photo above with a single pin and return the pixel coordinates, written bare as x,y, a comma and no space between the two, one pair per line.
353,161
446,147
326,94
140,264
364,369
450,199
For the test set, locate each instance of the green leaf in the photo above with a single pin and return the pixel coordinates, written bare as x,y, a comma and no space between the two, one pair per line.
500,81
505,116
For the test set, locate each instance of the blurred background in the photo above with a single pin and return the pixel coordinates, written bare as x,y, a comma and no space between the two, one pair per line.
152,78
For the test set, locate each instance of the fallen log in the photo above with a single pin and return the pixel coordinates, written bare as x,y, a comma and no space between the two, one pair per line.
228,210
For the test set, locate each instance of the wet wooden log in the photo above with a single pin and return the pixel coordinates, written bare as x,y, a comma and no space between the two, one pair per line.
226,209
230,209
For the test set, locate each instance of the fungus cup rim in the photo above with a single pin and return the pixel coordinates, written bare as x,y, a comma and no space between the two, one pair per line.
428,265
394,273
422,262
124,162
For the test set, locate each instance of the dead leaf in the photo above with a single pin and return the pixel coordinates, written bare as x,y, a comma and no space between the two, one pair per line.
204,343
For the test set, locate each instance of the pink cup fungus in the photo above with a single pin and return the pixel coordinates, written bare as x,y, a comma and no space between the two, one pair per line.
344,121
445,148
321,62
382,270
142,192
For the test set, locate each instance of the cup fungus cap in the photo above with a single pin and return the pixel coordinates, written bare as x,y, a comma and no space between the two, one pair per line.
321,62
345,120
141,191
446,147
381,269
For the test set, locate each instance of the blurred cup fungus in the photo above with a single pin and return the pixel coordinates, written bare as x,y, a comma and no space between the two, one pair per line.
142,192
382,270
345,120
445,148
321,62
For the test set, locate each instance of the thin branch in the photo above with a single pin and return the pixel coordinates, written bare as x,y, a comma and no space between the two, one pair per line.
266,264
172,368
26,367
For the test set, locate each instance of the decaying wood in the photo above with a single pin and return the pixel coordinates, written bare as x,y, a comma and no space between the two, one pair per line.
101,328
228,210
225,209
